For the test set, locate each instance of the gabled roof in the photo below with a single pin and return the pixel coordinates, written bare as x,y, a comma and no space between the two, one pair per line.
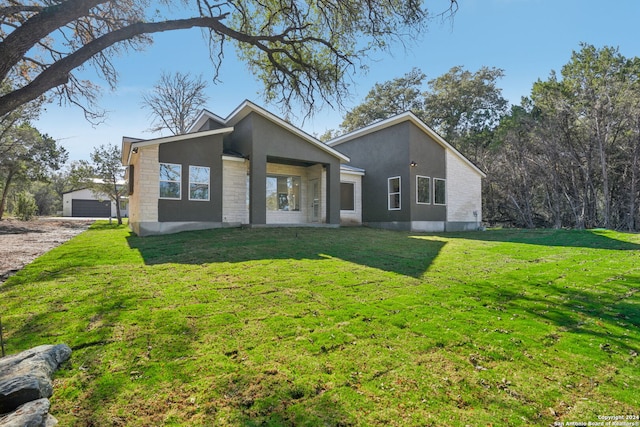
400,118
202,119
247,107
129,144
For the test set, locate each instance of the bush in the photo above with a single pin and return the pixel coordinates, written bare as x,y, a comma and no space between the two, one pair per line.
26,206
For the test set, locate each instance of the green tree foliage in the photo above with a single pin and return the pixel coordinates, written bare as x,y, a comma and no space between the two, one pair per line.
300,50
46,198
26,154
570,155
104,175
386,100
464,107
599,89
26,206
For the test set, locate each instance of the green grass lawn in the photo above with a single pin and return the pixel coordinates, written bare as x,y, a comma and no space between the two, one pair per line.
335,327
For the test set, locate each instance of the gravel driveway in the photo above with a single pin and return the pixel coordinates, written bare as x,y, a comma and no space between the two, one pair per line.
23,241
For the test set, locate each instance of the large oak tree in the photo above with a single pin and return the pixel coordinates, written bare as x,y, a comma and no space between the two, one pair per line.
301,50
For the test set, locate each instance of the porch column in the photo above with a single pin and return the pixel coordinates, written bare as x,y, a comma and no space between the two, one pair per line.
258,190
333,193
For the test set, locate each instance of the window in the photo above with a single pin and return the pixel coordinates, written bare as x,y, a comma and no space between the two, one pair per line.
394,193
439,191
170,181
130,179
199,183
347,196
283,193
423,190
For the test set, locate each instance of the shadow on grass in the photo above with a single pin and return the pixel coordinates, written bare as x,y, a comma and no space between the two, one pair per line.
608,312
390,251
276,399
591,239
384,250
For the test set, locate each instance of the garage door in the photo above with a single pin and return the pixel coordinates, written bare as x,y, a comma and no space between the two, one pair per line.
91,208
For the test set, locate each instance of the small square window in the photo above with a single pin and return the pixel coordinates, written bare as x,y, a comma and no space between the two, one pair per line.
199,178
170,181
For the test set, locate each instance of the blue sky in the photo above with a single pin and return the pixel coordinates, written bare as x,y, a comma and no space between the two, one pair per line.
525,38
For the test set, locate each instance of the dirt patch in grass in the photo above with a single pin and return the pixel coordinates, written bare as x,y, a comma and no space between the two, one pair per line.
23,241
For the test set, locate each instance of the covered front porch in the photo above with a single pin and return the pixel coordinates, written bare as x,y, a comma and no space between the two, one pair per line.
293,192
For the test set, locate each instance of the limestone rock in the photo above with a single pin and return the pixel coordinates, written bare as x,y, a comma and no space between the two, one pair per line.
28,375
31,414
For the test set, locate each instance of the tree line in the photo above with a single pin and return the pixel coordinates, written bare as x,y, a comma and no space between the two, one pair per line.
567,156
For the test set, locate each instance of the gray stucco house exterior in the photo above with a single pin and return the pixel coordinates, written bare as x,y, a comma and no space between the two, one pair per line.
251,168
414,179
255,169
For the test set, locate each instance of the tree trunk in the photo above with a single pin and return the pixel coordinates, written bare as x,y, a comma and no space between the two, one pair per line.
526,217
633,191
118,213
117,201
605,183
5,193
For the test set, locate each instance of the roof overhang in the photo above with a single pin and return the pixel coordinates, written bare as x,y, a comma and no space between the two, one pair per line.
129,145
202,118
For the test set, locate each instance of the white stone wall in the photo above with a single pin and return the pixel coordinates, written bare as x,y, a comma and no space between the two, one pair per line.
235,208
464,191
319,173
143,203
353,217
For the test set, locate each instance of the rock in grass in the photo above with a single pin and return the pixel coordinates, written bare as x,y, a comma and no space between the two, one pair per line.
31,414
27,376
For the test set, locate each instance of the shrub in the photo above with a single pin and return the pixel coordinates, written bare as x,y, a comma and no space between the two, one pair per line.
26,206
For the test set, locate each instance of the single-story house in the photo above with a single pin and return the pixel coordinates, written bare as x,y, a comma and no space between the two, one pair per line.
251,168
254,168
414,179
87,203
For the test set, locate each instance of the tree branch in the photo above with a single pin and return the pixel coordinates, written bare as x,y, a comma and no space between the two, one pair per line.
12,10
58,73
34,29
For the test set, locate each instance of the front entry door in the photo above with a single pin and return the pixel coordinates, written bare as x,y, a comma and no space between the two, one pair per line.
314,196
